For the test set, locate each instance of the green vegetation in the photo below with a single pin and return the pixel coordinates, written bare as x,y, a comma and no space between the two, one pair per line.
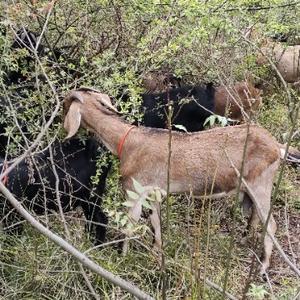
111,45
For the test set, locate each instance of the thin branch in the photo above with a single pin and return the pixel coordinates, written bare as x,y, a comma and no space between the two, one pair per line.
44,129
257,8
258,206
231,243
212,285
79,256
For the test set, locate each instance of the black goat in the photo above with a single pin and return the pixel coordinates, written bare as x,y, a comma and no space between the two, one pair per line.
24,39
20,85
192,105
33,182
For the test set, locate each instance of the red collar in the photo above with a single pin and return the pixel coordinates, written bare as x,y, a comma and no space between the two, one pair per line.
5,178
122,141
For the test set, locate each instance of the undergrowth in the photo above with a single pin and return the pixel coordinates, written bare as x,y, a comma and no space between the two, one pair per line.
111,45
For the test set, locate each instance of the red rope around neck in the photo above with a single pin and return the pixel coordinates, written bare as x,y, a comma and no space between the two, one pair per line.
122,141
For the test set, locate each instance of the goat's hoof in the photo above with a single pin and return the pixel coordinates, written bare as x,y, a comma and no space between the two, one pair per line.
263,274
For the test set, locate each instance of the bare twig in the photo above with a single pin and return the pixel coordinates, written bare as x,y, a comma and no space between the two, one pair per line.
79,256
264,220
213,285
44,129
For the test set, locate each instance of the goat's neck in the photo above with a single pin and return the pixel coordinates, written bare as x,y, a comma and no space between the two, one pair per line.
109,129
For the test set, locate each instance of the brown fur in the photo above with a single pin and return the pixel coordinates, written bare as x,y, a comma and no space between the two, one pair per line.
286,60
158,81
238,102
204,162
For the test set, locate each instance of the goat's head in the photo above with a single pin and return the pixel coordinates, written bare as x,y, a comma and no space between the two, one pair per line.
252,93
26,39
159,81
91,99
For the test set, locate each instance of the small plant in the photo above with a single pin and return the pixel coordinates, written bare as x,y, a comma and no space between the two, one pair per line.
180,127
257,292
216,119
145,194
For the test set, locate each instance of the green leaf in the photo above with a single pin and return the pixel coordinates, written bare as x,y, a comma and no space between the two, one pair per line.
117,218
158,195
146,204
257,291
208,120
123,221
222,120
128,203
138,187
216,118
133,195
180,127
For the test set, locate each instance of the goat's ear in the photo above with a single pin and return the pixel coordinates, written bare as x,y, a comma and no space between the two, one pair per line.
72,120
105,100
76,95
70,98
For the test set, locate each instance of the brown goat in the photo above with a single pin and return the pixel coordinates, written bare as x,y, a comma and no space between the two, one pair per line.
159,81
238,102
204,162
287,60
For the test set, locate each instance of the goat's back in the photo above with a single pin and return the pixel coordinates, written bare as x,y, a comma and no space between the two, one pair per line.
200,161
191,106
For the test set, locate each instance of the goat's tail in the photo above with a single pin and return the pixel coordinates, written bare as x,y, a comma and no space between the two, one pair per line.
293,155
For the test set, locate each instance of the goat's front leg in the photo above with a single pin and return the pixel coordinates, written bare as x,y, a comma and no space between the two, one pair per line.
134,215
155,222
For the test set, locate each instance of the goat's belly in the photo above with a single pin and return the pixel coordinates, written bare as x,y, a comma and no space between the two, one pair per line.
179,187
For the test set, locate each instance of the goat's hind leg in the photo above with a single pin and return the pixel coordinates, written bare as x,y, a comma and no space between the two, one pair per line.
156,224
261,189
246,210
249,211
268,242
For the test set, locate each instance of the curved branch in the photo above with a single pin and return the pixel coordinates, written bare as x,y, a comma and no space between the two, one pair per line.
83,259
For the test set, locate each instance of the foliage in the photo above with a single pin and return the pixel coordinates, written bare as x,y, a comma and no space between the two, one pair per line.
213,119
257,292
111,45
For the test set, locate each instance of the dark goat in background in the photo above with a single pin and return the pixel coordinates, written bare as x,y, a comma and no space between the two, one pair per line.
19,85
160,81
192,105
15,79
33,182
24,39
